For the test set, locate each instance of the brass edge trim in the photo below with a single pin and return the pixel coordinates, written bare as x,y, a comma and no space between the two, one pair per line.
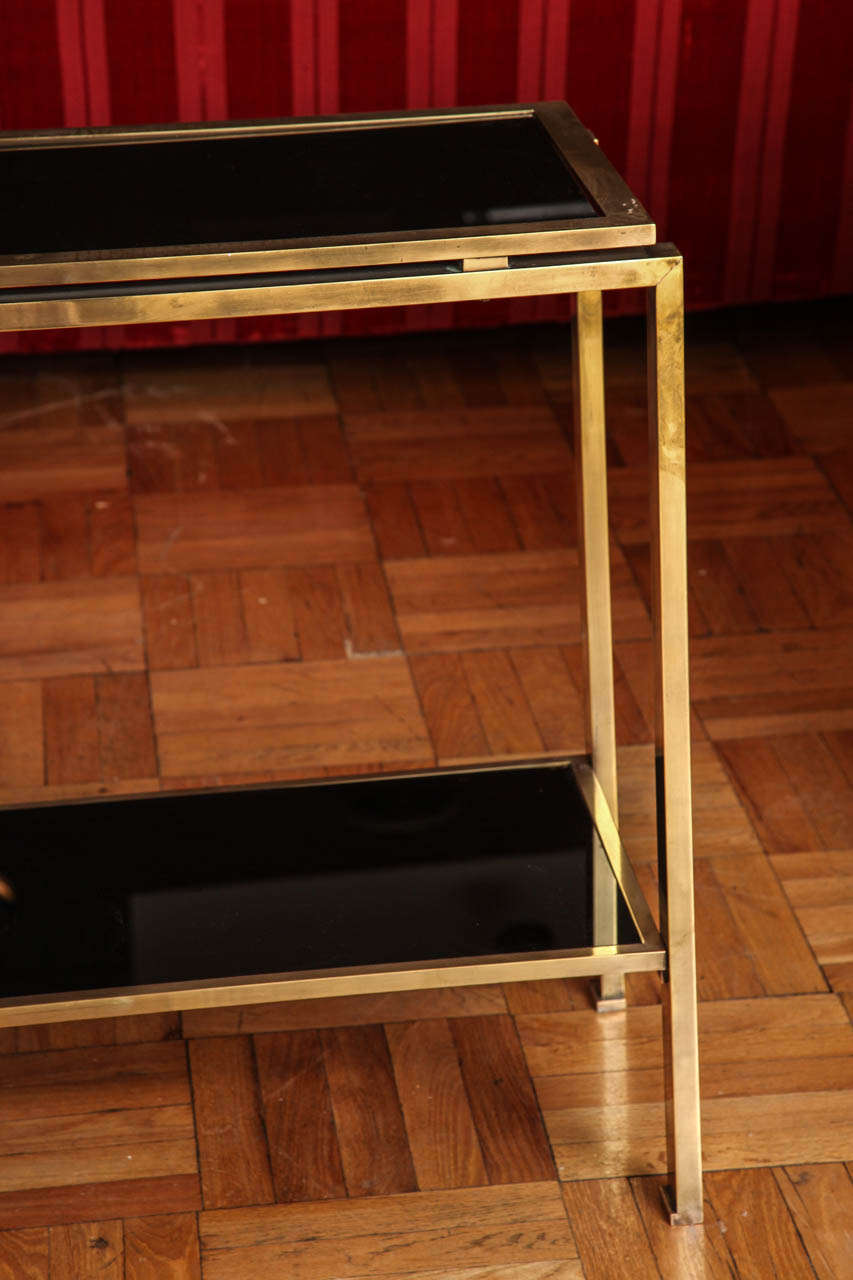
106,135
624,273
602,183
175,261
264,989
599,810
436,771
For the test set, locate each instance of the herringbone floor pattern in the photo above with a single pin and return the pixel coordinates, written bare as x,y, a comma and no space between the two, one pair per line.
236,566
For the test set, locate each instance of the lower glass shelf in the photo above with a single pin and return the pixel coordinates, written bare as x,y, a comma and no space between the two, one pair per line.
178,900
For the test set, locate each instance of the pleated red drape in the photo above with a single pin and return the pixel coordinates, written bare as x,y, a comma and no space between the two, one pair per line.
731,119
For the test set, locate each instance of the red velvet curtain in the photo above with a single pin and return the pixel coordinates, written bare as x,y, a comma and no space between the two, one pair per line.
730,119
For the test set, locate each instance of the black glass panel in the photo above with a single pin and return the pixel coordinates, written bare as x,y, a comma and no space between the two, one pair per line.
194,887
284,186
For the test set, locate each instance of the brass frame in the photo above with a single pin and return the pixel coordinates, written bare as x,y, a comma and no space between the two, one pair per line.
584,257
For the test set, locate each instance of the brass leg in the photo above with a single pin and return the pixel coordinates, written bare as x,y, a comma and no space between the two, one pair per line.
594,560
672,743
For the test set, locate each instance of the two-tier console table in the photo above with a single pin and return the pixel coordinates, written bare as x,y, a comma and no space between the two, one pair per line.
453,877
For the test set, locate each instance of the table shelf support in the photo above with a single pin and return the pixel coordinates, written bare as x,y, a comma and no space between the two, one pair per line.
668,537
597,626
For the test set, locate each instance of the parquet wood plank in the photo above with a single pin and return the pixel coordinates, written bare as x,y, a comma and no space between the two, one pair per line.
324,448
344,1011
818,568
542,509
442,1137
486,515
64,538
90,1080
424,1211
549,995
164,1247
74,1204
717,364
690,1253
501,704
55,459
24,1254
820,889
267,611
818,415
318,612
478,377
454,724
279,452
90,1251
472,602
366,605
21,733
820,1201
440,516
437,1230
734,425
71,746
125,731
779,814
369,1121
437,383
112,536
730,1031
771,594
237,456
760,1233
553,698
821,786
174,457
814,711
783,960
509,1126
840,743
724,603
611,1241
219,626
721,825
394,521
726,964
291,715
168,388
147,1142
232,1148
761,497
624,1141
838,468
70,628
772,662
303,1145
418,444
20,543
167,611
632,692
254,528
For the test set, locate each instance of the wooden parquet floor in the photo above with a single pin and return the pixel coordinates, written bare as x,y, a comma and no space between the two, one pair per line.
232,566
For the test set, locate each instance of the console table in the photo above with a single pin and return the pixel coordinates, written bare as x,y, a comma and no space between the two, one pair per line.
452,877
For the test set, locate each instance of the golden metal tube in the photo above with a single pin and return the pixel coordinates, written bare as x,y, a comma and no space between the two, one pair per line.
597,628
672,740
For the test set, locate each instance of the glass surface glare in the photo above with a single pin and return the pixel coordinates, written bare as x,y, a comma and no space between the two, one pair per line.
228,884
284,186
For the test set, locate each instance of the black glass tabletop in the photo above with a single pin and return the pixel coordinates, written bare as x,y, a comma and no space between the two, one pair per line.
284,186
230,884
